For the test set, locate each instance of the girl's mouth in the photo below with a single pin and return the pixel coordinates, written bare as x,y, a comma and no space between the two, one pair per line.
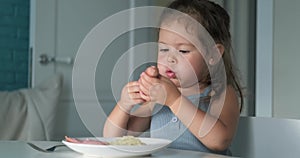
170,74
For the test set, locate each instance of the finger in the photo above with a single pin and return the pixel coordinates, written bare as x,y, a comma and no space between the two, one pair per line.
144,90
134,98
146,84
165,79
138,101
144,96
151,80
146,81
133,89
133,83
152,71
135,95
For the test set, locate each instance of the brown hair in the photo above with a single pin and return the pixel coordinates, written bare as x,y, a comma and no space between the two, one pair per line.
216,21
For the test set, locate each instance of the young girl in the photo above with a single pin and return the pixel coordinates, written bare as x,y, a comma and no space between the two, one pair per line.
183,98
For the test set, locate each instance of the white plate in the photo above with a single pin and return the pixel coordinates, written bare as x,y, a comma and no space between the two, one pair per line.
151,145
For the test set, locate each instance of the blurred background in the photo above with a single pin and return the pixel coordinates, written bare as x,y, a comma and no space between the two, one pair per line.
34,33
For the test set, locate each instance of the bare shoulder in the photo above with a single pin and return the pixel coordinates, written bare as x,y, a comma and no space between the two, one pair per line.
227,106
232,98
231,109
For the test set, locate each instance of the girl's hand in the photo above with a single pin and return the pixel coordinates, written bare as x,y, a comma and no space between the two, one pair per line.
156,88
130,96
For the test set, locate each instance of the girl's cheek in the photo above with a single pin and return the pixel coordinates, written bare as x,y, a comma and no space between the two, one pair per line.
162,60
160,67
159,58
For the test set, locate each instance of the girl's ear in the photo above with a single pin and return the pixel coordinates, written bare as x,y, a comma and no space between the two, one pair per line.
216,58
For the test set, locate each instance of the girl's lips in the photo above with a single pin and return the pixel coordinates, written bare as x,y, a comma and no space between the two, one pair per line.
170,74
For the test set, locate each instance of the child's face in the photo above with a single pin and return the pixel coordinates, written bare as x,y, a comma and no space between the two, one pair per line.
178,59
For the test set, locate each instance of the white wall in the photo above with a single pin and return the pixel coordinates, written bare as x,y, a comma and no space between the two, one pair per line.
286,57
277,59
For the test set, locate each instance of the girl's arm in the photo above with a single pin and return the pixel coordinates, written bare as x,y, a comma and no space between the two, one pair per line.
116,123
121,122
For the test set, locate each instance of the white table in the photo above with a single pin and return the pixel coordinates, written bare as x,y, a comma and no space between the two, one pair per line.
20,149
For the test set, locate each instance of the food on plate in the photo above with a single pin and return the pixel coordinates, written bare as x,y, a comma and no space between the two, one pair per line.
86,141
125,140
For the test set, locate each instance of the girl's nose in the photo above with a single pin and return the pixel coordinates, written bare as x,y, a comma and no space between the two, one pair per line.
171,59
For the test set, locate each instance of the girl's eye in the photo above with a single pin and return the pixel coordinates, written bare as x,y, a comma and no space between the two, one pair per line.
163,49
184,51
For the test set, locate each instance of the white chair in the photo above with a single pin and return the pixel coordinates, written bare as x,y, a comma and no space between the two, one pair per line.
29,114
259,137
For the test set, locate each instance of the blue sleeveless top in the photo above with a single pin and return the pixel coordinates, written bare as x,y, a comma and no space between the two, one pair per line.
164,124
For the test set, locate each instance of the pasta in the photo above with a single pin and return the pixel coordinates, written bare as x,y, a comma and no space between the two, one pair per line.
127,140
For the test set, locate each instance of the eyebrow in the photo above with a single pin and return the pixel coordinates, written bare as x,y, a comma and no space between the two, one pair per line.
177,44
